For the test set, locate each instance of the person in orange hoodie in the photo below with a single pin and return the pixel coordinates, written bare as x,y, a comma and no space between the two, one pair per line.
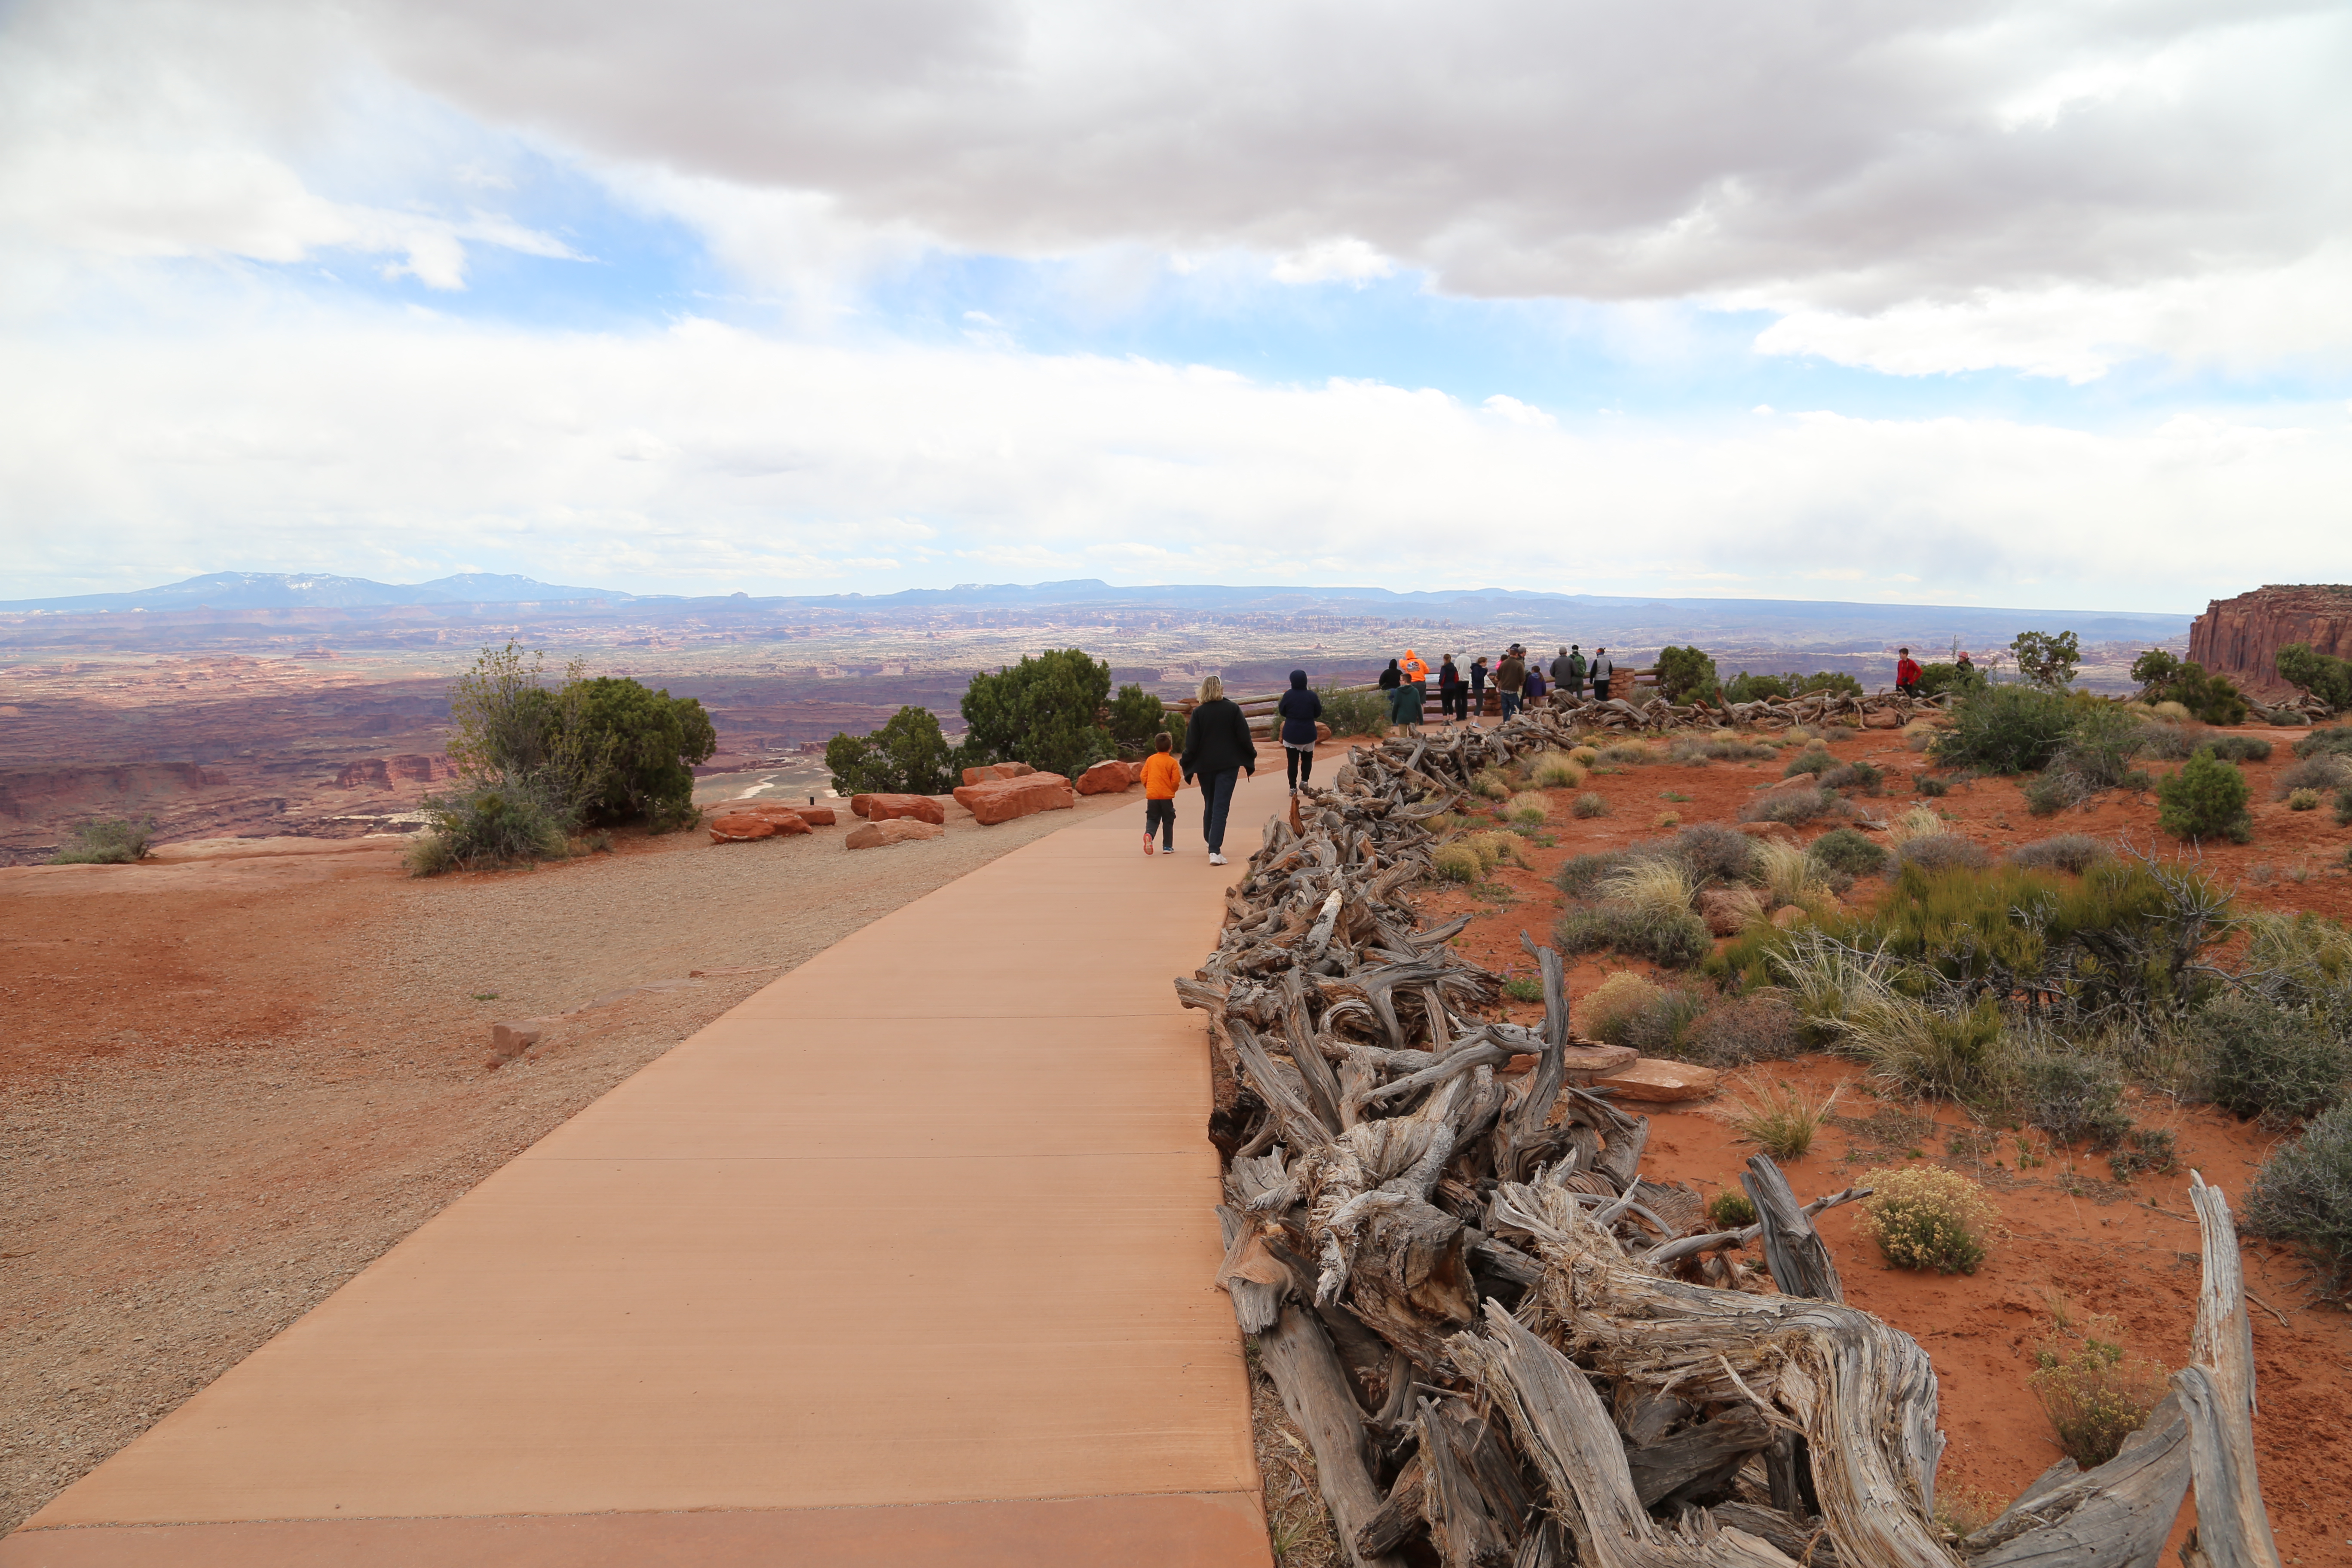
1161,778
1415,670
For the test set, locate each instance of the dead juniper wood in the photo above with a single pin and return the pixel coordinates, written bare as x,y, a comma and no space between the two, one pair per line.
1506,1348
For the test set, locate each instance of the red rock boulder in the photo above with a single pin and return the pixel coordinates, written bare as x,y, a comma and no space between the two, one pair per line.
1002,800
739,827
788,819
993,770
1106,778
1659,1082
890,807
894,830
815,816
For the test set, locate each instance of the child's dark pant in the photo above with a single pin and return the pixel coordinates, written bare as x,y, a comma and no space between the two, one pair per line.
1301,764
1161,815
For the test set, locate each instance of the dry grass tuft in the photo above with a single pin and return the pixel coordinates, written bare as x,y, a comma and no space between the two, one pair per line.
1556,769
1778,1117
1788,876
1660,887
1919,821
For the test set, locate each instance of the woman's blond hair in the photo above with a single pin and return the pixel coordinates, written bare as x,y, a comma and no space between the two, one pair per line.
1211,688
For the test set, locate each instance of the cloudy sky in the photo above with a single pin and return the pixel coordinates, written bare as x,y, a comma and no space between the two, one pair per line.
2042,303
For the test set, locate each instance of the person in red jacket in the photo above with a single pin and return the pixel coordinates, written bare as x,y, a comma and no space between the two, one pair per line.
1906,673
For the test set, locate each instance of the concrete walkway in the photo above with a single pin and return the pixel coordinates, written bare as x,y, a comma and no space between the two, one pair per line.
906,1260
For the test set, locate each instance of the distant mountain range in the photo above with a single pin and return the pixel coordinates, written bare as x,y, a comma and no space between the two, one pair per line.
1588,615
284,591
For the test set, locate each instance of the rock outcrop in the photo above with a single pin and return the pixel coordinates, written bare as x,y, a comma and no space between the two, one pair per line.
1106,778
2241,637
1659,1082
391,773
892,830
888,808
990,770
1002,800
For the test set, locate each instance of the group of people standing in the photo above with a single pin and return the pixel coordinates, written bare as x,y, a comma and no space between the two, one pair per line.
1517,678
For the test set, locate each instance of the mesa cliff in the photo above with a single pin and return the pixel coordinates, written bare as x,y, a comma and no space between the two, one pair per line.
2241,637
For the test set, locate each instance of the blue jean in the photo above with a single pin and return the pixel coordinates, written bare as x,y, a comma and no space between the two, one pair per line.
1510,703
1216,799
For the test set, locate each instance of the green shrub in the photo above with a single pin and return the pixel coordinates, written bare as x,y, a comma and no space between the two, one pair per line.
2095,1396
1685,674
641,747
2075,852
2312,775
2343,811
2046,659
1747,688
1935,679
2336,740
1627,1010
2239,748
2007,729
1846,852
1042,711
2322,675
2303,1197
1791,805
110,841
1943,852
1714,853
2303,800
1930,786
2204,798
1867,777
1355,712
1524,988
489,824
1743,1029
907,755
2215,698
1674,939
1591,804
2260,1059
1815,759
1579,876
2075,1098
1730,1209
2145,1150
1136,716
2172,742
1925,1217
1456,863
2097,756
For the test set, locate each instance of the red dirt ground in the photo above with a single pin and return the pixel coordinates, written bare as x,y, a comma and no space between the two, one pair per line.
2070,1234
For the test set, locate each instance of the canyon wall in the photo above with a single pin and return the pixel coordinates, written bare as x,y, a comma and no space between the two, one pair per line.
2241,637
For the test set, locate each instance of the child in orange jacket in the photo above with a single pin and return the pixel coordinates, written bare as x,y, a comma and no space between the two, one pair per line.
1162,776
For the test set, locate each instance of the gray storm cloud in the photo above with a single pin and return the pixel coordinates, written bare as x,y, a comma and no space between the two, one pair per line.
1851,154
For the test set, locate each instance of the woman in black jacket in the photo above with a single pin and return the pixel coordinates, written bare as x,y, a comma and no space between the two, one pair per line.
1217,746
1391,678
1299,709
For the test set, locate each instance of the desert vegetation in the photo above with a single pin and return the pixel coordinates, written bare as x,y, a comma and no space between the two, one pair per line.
539,762
108,841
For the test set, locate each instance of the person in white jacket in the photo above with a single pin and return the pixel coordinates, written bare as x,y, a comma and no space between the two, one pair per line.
1599,672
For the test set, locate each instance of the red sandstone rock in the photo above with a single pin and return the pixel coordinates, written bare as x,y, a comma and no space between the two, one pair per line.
815,816
740,828
1105,778
1002,800
1659,1082
511,1039
2241,637
988,772
1322,731
1788,917
388,773
1589,1061
888,807
788,819
892,830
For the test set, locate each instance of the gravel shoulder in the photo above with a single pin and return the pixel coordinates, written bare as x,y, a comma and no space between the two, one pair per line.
228,1085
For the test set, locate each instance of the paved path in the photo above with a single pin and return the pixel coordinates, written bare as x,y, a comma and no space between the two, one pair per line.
906,1260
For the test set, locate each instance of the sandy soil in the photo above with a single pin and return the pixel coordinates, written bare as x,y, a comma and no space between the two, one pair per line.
2073,1235
230,1079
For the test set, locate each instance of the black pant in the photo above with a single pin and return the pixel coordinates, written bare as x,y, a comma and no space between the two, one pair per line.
1301,763
1216,799
1453,702
1162,814
1601,691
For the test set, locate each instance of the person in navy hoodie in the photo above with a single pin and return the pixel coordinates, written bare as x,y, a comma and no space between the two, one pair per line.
1299,709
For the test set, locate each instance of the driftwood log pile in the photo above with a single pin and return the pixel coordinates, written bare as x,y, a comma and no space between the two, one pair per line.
1505,1346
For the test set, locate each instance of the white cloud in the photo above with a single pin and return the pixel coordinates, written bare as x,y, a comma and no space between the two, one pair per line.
712,458
1333,261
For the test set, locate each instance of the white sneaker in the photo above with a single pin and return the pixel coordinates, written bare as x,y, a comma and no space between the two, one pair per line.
1215,858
